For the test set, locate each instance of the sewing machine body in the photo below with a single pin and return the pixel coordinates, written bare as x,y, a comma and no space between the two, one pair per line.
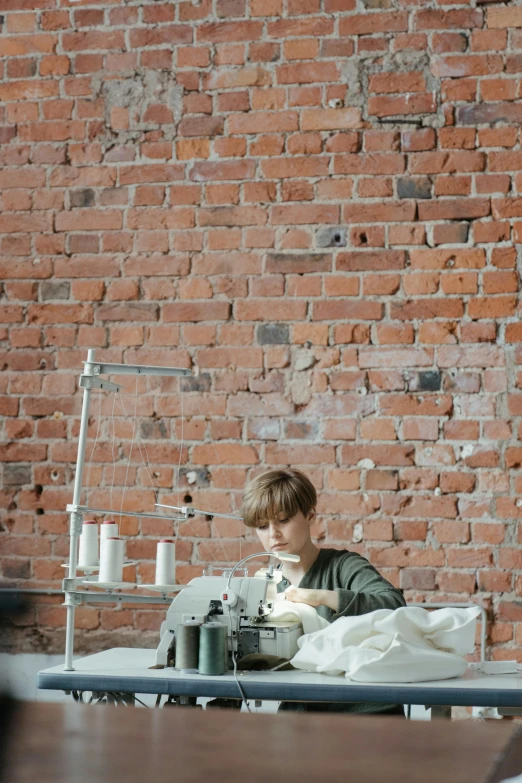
247,629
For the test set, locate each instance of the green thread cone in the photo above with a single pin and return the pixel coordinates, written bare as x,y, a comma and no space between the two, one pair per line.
212,645
187,646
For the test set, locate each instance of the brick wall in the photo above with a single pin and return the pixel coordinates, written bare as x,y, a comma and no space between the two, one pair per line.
314,203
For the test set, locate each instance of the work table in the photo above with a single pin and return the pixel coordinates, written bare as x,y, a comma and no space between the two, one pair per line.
128,670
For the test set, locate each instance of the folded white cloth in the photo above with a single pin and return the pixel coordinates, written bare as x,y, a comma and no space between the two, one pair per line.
409,644
301,613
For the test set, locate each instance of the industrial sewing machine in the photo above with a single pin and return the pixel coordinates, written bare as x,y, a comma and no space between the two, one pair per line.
207,598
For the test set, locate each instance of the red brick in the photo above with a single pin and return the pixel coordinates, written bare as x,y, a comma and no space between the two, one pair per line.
23,90
468,65
26,337
455,209
201,126
54,65
21,68
300,455
266,8
370,23
150,195
232,216
488,112
495,581
212,311
262,122
159,58
363,260
225,357
488,40
93,39
447,20
397,82
456,582
229,31
418,579
224,453
397,211
330,119
130,175
229,148
304,214
410,530
20,452
417,141
448,163
307,73
449,42
192,148
451,532
269,310
510,611
375,163
334,310
489,183
497,307
193,56
414,103
504,17
226,170
469,557
301,49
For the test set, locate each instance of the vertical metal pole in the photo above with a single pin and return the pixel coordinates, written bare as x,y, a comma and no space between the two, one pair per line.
76,519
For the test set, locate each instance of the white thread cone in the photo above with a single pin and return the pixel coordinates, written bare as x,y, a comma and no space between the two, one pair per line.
108,529
165,562
111,563
88,554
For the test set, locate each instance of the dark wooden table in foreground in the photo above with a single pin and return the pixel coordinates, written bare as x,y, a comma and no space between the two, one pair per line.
96,744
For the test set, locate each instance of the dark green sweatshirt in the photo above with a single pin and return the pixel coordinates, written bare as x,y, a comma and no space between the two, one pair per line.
361,589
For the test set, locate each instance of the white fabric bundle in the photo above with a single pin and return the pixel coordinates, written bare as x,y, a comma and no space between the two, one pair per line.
409,644
302,613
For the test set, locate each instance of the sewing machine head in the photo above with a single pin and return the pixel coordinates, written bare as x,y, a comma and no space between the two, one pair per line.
248,630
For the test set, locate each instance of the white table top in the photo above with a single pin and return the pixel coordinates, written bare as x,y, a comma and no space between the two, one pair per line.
128,670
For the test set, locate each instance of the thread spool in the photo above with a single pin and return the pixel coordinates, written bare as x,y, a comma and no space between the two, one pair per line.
165,562
187,646
108,529
225,634
212,649
88,553
111,563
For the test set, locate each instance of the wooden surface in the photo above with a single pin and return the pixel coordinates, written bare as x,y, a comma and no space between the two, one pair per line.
56,743
510,762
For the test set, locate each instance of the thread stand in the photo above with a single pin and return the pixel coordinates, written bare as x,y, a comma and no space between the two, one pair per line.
90,379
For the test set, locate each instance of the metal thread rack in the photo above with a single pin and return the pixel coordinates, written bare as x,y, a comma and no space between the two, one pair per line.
90,379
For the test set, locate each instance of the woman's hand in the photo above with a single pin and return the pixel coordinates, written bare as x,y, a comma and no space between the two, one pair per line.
300,595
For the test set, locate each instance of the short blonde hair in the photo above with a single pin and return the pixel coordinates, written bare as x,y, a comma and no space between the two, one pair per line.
277,492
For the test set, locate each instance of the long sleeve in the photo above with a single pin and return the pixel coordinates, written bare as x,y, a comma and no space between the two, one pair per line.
363,588
360,586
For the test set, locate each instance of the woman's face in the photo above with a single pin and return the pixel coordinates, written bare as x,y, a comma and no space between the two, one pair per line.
287,534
